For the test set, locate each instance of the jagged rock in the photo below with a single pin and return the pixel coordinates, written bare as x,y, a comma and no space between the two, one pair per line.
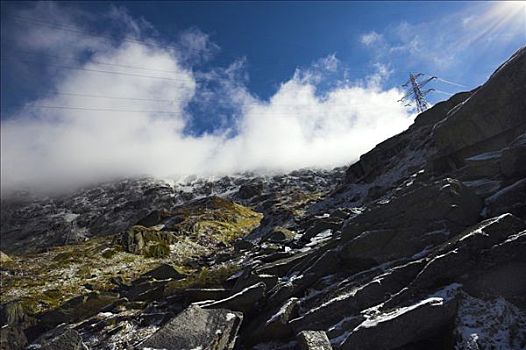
500,271
340,213
484,165
76,309
277,326
244,301
440,110
446,200
356,297
252,278
243,244
147,241
12,338
195,328
279,235
282,266
513,160
490,119
378,246
484,187
460,257
68,339
489,324
274,327
402,154
146,290
14,321
250,190
4,258
511,199
322,225
13,314
163,272
398,229
151,219
202,294
314,340
405,325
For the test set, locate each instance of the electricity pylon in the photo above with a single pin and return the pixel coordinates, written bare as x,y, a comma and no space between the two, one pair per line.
415,92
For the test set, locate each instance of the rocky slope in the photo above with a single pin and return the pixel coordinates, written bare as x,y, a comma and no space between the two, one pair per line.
419,244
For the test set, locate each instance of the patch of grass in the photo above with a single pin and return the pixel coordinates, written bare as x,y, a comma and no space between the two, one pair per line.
157,250
204,278
42,281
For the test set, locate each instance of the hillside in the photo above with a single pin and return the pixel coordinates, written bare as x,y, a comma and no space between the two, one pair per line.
418,245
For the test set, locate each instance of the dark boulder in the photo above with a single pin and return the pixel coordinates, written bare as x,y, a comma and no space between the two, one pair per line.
243,244
147,241
243,301
279,235
513,160
76,309
273,324
152,219
447,201
410,223
357,296
313,340
197,328
252,278
250,190
395,328
163,272
202,294
61,339
460,258
321,225
511,199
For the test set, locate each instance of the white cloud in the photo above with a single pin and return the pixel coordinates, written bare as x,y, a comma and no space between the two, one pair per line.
196,46
300,126
370,38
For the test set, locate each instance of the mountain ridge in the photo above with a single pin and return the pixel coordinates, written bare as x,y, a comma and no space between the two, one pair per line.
418,244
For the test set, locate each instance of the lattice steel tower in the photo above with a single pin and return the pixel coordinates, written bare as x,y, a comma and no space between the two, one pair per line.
415,92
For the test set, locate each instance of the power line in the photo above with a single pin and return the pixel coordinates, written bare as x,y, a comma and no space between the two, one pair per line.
451,83
446,81
110,72
443,92
145,111
145,99
101,109
113,97
91,60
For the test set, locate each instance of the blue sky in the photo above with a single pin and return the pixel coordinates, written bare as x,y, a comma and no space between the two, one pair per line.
230,70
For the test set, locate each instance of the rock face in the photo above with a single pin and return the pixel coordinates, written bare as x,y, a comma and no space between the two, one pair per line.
490,119
66,340
418,245
4,258
197,328
311,340
403,326
244,301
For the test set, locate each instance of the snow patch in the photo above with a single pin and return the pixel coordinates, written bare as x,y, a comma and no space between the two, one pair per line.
230,316
489,324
